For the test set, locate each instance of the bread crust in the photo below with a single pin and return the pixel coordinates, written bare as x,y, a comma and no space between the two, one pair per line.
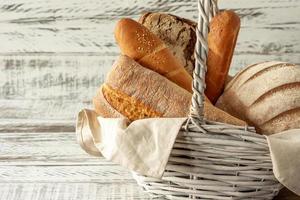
177,33
155,92
103,108
148,87
128,106
266,95
180,36
224,29
137,42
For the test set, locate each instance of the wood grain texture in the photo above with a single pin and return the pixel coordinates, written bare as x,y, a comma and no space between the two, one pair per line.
45,92
268,26
80,26
54,55
49,87
46,148
70,191
52,166
35,125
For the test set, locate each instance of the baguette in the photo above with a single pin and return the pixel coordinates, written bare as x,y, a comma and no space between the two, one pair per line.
137,42
224,29
137,92
180,36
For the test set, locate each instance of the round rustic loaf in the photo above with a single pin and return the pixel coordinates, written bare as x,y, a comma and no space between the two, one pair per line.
266,95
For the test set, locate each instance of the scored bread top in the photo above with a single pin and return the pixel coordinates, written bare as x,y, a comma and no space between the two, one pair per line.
266,95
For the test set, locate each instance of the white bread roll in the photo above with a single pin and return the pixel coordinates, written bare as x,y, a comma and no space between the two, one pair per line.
266,95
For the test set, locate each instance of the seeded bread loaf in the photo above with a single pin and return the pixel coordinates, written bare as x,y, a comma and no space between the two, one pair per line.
137,92
140,44
266,95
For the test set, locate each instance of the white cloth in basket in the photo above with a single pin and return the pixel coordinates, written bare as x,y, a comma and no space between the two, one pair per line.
285,155
145,145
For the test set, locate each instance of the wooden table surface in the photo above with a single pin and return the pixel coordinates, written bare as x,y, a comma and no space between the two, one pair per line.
54,55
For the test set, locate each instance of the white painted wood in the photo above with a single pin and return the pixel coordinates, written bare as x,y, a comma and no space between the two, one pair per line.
52,166
52,88
36,125
70,191
49,86
54,55
57,173
46,148
81,26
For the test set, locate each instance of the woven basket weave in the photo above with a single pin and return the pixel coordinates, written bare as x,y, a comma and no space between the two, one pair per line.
212,160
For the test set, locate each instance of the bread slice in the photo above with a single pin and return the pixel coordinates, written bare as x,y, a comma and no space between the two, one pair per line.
137,92
103,108
128,106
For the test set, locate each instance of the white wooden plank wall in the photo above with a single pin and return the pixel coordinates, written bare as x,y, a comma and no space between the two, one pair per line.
54,55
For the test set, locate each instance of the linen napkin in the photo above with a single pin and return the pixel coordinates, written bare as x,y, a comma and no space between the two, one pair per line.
285,155
144,145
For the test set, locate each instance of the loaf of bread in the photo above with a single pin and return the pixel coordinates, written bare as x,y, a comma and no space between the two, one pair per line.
137,92
224,29
177,33
137,42
266,95
180,36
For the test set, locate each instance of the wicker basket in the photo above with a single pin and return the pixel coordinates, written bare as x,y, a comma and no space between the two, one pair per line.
213,160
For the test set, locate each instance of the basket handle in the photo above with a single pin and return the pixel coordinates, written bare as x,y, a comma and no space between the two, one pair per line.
207,10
